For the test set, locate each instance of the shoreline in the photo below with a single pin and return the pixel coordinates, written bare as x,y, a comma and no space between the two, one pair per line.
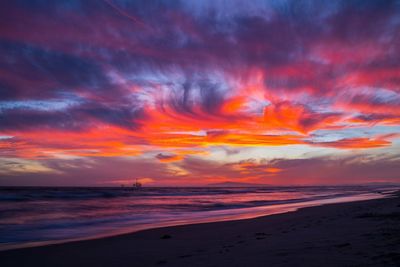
250,213
362,233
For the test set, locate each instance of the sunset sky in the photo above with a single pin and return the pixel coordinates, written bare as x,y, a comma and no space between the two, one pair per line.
182,93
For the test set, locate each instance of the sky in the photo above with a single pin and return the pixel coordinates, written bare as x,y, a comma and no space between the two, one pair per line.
185,93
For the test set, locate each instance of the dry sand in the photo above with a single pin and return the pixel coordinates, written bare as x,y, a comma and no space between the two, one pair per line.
365,233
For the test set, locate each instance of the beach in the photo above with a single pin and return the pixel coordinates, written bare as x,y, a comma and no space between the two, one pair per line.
363,233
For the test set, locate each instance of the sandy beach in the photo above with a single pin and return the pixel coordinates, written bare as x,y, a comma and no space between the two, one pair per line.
364,233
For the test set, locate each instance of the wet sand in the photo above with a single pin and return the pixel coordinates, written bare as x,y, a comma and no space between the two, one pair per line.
364,233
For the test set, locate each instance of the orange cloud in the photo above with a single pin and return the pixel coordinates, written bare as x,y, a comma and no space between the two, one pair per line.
169,157
290,116
105,141
273,170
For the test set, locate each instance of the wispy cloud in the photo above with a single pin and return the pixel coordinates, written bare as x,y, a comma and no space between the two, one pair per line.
89,79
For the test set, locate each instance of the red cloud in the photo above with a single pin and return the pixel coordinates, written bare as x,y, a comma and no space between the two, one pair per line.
161,77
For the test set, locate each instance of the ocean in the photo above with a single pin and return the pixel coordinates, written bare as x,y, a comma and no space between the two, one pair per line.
31,216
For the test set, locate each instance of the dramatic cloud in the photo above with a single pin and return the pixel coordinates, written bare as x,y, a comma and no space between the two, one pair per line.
171,82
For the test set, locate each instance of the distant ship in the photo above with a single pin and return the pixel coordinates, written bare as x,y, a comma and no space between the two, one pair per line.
137,185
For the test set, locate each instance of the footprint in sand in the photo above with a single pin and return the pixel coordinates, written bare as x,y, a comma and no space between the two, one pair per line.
161,262
185,256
